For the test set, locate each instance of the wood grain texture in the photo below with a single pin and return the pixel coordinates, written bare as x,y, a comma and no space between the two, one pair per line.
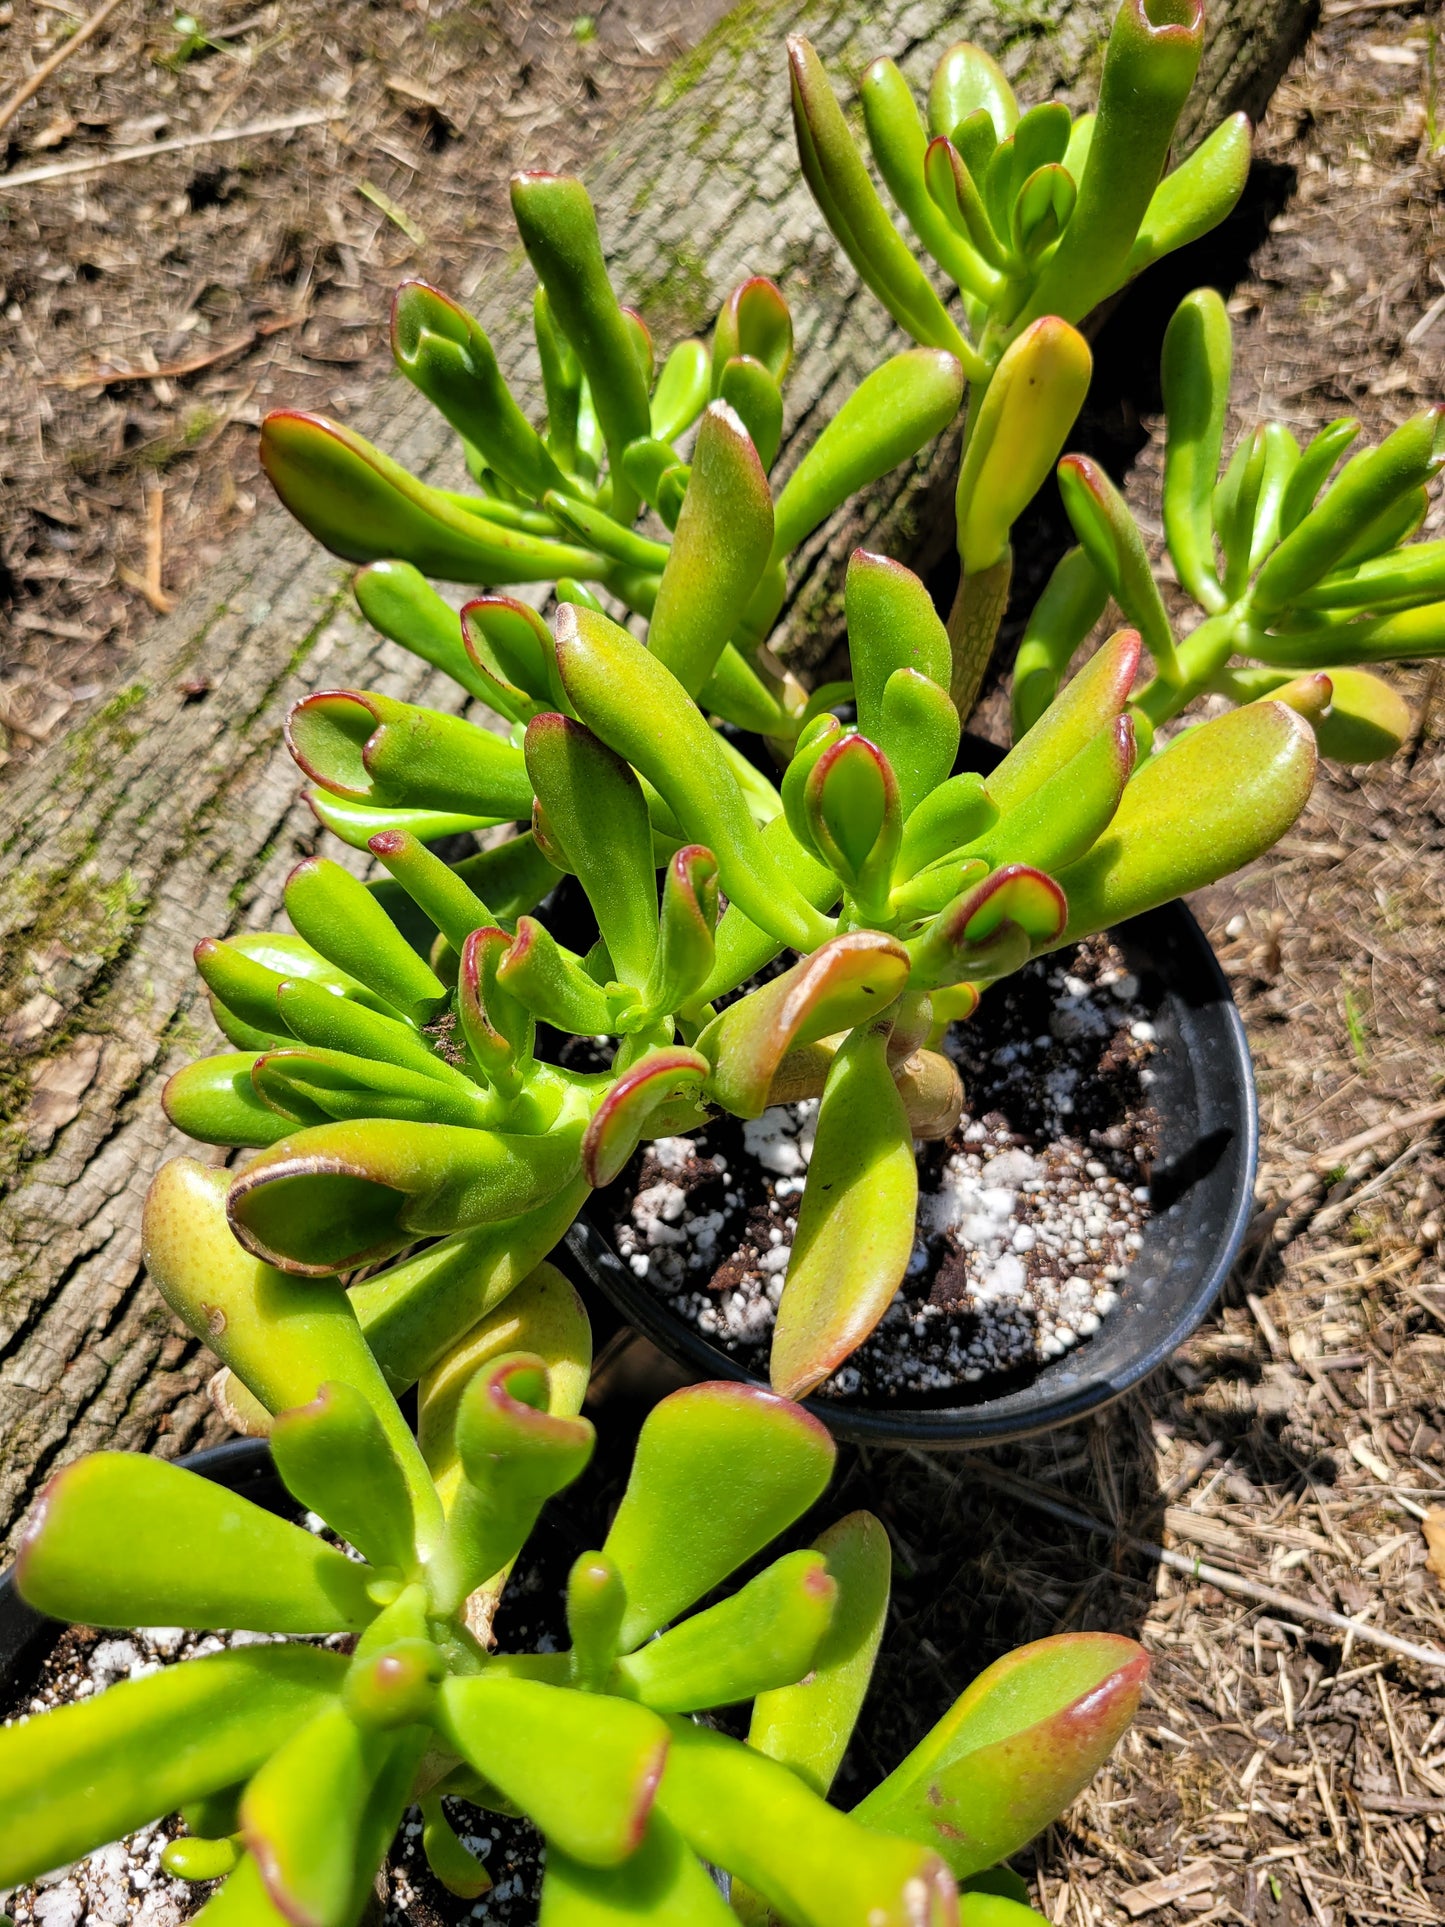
172,812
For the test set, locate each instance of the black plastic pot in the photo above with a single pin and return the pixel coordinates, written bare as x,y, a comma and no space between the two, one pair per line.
26,1636
1202,1186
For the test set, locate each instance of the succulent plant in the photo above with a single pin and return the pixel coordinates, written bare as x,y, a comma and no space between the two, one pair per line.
394,1090
1306,577
1036,218
560,506
396,1061
293,1762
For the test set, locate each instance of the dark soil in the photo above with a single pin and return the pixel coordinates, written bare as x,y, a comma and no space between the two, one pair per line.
1029,1211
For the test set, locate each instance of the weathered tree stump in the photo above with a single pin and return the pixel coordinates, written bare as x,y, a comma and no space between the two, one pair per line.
172,812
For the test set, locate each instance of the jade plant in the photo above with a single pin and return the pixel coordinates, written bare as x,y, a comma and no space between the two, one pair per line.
397,1064
1036,218
401,1063
404,1083
560,506
293,1762
1303,577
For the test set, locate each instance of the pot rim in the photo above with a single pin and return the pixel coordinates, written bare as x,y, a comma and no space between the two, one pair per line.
1038,1407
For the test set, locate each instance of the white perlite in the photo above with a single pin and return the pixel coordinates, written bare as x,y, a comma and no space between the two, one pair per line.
124,1882
1021,1245
124,1885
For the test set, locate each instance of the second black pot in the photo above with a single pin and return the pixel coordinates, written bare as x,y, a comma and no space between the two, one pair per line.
1202,1188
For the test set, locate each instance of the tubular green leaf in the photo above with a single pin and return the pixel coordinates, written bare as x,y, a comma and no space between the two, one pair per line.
811,1864
446,354
834,171
335,1457
1220,795
681,393
401,604
719,1471
1316,462
596,810
215,1102
369,748
1014,1750
920,735
899,141
558,227
1110,537
893,413
892,624
338,916
954,814
1020,426
847,981
1063,818
640,710
1194,372
764,1636
1149,67
145,1747
119,1539
583,1766
1196,197
807,1725
757,401
721,547
1369,484
855,1227
965,81
365,507
340,1195
303,1817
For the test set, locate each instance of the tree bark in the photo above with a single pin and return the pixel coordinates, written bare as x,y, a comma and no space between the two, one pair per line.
172,813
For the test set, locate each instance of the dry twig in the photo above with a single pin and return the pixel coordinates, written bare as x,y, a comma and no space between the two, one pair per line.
96,164
47,67
190,365
1232,1582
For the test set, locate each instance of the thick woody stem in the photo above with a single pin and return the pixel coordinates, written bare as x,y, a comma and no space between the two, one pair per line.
973,626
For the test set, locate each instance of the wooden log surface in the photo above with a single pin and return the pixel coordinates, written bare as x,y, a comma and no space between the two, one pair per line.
171,812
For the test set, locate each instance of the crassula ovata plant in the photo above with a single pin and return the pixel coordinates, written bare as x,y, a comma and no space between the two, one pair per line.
292,1763
388,1067
420,1144
1036,218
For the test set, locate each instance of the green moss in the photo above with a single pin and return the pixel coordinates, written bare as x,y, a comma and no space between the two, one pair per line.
734,34
70,906
104,731
682,296
241,888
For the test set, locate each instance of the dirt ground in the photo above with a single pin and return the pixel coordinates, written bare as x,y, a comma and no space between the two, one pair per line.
151,311
1281,1772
